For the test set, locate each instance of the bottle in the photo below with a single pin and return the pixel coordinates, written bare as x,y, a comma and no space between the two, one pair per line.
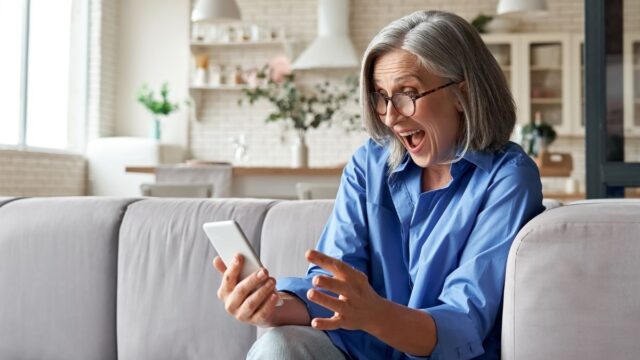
231,77
537,120
232,35
255,33
239,79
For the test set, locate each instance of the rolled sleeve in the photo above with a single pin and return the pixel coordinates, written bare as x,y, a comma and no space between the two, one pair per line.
457,337
299,287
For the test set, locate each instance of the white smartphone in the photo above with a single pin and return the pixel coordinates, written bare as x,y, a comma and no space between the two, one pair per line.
228,240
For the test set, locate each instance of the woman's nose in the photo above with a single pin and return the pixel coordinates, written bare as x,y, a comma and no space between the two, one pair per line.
392,117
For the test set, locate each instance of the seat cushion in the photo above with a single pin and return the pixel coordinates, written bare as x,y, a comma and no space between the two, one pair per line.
58,260
167,303
572,284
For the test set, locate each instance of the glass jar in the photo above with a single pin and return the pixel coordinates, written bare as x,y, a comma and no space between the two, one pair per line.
214,75
223,75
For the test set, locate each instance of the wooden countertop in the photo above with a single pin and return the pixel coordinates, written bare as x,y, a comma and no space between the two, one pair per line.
337,171
266,171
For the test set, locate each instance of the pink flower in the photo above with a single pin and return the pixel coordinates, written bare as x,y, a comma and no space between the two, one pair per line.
279,67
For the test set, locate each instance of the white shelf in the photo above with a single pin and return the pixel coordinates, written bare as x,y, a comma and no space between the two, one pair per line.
197,43
219,87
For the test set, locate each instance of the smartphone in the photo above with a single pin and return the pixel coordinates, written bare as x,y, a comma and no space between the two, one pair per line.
228,240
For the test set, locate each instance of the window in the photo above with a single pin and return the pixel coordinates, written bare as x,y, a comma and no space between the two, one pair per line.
11,32
43,40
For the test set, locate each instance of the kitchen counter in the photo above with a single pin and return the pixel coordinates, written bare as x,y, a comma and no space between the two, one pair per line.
268,182
268,171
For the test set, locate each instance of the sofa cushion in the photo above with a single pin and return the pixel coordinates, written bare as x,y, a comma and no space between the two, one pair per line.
167,303
572,284
58,260
290,229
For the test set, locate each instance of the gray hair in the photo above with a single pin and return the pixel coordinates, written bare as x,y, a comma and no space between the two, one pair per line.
449,47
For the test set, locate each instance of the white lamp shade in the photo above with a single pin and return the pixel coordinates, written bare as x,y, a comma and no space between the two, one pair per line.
215,11
529,7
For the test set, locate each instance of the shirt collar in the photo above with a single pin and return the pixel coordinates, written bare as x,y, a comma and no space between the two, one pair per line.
406,159
481,159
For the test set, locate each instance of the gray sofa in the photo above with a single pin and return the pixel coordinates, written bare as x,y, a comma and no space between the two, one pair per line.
107,278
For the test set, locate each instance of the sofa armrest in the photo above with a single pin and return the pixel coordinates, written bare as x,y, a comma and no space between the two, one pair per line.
572,284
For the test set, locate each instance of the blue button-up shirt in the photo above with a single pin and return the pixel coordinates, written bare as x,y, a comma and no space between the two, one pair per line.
442,251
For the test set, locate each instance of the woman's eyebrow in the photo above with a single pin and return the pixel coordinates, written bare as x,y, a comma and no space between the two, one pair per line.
399,79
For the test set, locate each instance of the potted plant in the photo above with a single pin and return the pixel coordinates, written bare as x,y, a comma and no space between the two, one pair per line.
158,107
302,108
537,136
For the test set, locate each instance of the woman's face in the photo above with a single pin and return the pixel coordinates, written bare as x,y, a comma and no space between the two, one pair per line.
431,133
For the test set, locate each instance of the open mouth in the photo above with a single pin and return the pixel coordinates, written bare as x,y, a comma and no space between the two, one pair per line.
413,139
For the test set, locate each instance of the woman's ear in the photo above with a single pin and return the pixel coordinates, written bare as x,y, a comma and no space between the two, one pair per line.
462,87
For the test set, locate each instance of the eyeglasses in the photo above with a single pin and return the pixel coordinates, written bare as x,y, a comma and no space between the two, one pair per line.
404,103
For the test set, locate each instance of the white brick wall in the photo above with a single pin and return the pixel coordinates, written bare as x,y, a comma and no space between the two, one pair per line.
35,173
102,68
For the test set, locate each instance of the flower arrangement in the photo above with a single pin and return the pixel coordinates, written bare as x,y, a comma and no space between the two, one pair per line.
161,106
157,107
299,107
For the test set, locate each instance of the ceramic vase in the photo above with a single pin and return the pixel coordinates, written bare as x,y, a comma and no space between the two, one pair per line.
156,129
299,151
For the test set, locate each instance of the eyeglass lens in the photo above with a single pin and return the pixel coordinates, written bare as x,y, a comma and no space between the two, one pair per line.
402,103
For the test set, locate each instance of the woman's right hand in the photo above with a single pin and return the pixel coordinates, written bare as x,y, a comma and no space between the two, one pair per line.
252,300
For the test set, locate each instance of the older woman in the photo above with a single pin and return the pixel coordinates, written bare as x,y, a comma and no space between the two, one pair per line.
412,261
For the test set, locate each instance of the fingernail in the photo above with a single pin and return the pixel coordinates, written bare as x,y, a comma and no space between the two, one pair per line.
261,274
236,259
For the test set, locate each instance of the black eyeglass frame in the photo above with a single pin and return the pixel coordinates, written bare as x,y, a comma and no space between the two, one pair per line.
412,97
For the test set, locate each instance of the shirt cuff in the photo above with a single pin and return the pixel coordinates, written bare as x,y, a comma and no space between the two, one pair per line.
299,287
457,335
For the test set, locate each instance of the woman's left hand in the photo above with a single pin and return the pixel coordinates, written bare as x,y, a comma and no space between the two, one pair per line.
357,306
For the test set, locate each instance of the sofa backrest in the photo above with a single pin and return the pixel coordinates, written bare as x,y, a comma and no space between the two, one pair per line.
572,285
58,263
291,228
166,302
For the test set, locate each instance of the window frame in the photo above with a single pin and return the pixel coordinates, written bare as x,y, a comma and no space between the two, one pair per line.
605,178
78,114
